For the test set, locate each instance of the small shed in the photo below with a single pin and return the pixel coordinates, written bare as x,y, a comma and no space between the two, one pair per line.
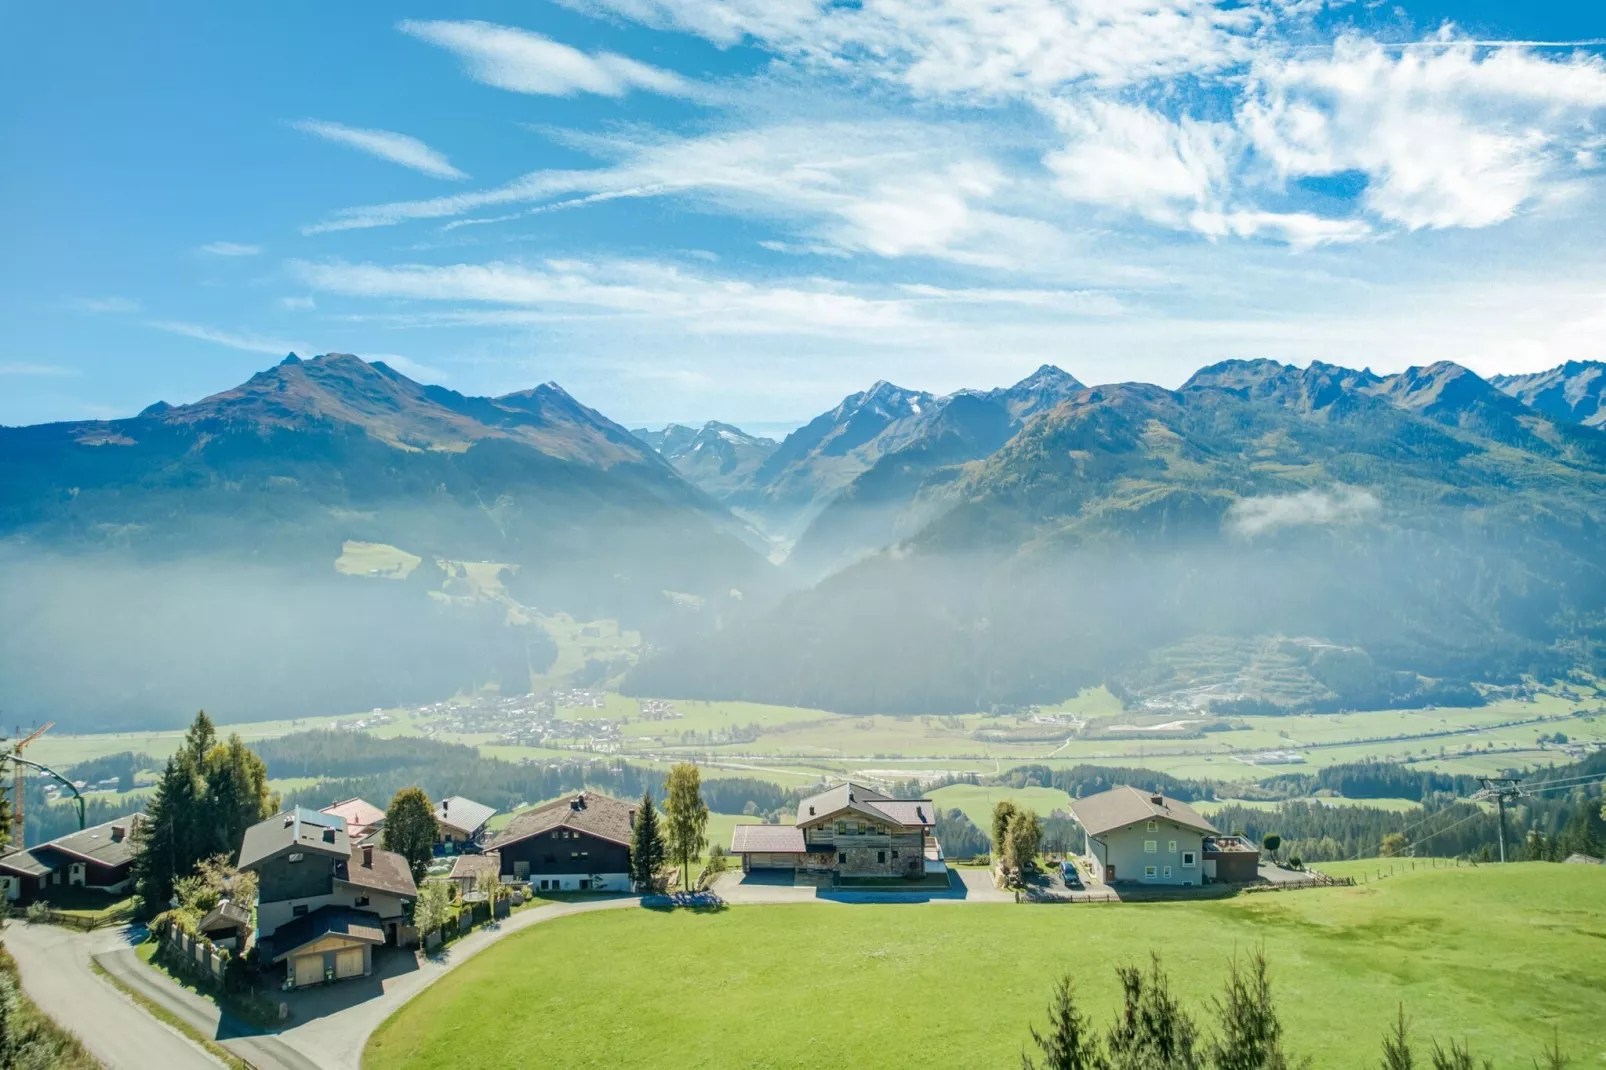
227,925
1231,860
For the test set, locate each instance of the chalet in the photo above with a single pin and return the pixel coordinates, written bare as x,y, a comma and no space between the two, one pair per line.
462,823
99,858
847,831
1143,837
361,816
580,844
323,902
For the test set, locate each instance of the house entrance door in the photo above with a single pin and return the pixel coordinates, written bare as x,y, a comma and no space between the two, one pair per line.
1109,874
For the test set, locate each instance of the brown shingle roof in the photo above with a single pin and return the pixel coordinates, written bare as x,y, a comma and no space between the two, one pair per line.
1123,806
389,873
767,839
469,867
598,815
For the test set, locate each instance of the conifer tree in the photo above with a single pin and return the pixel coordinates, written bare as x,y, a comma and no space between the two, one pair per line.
1397,1045
1070,1044
646,845
1252,1037
1003,812
1153,1032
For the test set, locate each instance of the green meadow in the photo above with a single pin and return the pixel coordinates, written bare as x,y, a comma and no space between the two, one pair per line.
1495,956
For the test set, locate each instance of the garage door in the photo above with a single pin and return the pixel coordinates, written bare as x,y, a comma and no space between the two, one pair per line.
309,970
348,963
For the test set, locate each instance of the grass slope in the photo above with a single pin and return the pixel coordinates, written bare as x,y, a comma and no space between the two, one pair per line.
1495,955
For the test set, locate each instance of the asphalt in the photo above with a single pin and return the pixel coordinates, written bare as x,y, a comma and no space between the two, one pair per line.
54,966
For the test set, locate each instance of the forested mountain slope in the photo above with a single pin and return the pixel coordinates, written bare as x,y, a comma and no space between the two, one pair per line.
1406,533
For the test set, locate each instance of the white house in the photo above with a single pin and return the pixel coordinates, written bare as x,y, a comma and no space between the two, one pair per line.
1143,837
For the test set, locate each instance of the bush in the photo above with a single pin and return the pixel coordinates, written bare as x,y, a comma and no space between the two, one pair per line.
1295,862
38,912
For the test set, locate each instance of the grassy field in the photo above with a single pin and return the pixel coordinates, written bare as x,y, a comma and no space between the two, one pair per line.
977,801
1497,956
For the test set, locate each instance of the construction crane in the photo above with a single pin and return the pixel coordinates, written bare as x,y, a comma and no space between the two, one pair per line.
17,826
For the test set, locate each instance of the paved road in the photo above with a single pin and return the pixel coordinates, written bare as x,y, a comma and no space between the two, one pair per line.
54,965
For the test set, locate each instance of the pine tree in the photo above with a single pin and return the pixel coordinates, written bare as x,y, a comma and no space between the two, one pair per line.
688,817
410,829
1153,1032
1397,1045
1070,1044
646,845
238,795
1253,1037
1003,813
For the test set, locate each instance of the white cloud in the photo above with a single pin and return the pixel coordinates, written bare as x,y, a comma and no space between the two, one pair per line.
526,62
1447,135
297,304
253,343
229,248
971,48
1343,505
385,144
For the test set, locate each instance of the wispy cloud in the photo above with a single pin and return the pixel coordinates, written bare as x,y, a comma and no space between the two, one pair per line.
385,144
43,370
526,62
106,305
230,248
250,342
1342,505
297,304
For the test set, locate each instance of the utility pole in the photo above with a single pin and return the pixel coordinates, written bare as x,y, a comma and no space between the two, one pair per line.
1500,788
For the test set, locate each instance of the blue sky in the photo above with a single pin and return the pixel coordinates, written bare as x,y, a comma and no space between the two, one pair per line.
745,209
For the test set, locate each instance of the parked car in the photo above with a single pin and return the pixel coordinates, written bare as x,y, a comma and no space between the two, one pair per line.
1069,875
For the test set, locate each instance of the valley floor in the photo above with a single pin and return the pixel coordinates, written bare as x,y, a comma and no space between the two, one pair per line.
1497,956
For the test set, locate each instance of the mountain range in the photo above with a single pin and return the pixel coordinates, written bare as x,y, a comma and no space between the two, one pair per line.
1316,537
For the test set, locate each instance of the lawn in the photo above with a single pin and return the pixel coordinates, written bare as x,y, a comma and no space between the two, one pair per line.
1495,955
977,801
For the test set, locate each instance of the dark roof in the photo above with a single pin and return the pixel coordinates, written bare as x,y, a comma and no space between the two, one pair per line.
588,812
108,844
1123,806
326,921
464,815
388,873
300,829
226,915
767,839
856,798
26,863
469,867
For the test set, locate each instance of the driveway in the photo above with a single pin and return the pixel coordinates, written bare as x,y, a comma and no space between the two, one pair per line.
54,966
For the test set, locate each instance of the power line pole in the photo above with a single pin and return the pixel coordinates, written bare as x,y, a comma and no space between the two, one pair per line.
1500,788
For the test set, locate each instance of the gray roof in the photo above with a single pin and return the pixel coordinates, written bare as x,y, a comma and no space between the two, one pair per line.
387,871
469,867
226,915
299,829
108,844
325,921
26,863
856,798
463,815
1123,806
767,839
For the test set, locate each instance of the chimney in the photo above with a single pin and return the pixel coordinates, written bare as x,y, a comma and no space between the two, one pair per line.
118,832
1158,800
632,815
367,856
446,805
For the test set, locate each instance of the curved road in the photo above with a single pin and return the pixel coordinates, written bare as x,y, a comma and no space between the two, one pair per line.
54,966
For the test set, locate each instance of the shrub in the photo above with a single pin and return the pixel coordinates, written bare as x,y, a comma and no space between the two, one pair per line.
38,912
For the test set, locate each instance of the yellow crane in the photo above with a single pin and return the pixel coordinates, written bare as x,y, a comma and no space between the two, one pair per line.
17,826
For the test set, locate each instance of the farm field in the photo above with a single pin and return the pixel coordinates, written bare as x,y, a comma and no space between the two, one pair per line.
977,801
1445,942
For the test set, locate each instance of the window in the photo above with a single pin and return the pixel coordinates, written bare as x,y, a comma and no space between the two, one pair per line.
585,854
296,856
360,901
842,828
1168,871
1187,859
1148,871
543,885
881,857
300,911
574,854
521,870
842,858
1153,826
1150,846
1173,847
894,853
